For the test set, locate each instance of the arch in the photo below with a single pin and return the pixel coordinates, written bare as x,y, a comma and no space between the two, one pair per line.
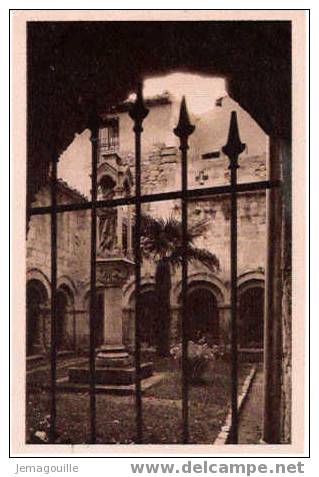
107,177
148,294
251,314
203,312
276,86
202,280
145,288
64,316
68,285
147,283
99,316
37,274
149,331
250,279
106,181
85,294
36,304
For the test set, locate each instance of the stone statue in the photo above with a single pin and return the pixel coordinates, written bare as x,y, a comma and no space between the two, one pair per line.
108,230
107,218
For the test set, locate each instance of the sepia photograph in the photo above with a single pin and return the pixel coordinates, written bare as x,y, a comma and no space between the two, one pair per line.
156,263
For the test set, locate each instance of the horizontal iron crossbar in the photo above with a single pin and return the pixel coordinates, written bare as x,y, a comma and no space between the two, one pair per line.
190,194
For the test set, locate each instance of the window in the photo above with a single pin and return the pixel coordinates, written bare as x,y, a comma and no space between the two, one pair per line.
109,135
211,155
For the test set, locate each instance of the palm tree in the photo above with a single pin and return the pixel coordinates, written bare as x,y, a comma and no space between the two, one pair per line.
161,240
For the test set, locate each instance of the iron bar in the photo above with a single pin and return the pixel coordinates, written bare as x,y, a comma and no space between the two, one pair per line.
94,127
138,113
233,301
162,196
183,131
232,149
53,346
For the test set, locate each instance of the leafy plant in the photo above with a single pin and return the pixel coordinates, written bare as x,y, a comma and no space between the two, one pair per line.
200,356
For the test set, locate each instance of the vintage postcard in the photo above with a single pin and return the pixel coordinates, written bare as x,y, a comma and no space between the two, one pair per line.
159,225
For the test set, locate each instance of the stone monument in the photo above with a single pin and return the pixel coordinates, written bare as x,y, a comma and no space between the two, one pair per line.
114,266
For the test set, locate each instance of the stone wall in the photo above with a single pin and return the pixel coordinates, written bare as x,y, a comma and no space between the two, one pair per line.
73,257
161,172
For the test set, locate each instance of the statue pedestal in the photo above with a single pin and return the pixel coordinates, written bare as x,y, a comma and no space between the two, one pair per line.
114,366
112,273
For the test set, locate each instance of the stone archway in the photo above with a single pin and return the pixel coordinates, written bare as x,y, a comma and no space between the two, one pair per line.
61,320
64,318
251,317
203,314
205,301
37,305
148,318
98,318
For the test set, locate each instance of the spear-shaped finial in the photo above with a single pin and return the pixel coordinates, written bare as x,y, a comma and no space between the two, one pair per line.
184,128
234,146
138,112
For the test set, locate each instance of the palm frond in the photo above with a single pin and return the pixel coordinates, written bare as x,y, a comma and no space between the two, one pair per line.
163,238
204,256
195,254
160,236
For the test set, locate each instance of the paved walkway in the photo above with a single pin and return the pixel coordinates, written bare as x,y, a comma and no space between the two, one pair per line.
250,421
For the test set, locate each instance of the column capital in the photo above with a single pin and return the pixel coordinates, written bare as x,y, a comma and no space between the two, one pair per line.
113,272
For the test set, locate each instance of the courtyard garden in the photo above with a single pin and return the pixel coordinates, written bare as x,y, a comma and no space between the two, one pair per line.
209,401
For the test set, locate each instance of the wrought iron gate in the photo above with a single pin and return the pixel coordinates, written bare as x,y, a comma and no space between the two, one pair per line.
184,129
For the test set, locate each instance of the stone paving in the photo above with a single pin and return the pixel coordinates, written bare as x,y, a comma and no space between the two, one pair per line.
250,421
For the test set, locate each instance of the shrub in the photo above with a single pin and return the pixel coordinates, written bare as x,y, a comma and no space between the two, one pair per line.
200,357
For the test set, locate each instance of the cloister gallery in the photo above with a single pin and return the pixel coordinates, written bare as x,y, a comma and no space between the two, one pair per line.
209,292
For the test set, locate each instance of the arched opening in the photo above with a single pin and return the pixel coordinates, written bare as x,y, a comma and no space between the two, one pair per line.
65,318
203,315
251,317
61,320
37,298
98,317
148,318
106,186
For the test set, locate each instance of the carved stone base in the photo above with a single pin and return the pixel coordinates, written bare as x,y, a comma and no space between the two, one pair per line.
112,356
108,375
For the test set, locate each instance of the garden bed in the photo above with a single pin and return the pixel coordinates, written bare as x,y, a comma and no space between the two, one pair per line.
162,409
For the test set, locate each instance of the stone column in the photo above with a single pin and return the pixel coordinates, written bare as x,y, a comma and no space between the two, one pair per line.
129,231
112,273
224,314
119,232
276,250
113,332
38,331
